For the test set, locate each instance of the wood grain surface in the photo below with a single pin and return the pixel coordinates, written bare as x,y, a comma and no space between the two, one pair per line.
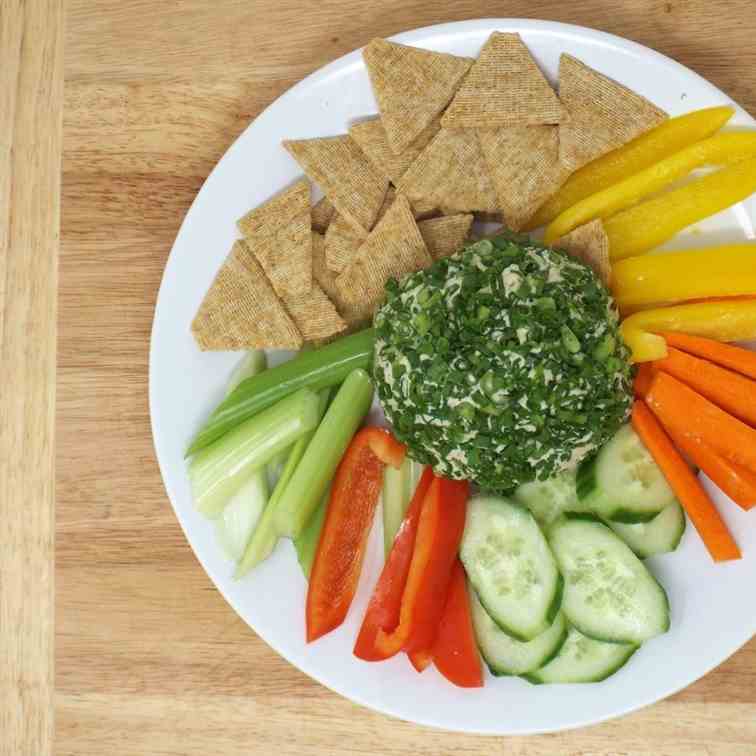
31,101
150,659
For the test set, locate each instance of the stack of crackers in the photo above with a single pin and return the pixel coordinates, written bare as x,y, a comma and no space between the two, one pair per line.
455,139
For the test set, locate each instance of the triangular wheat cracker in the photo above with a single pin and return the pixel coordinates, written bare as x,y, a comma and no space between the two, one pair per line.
268,218
241,310
371,136
340,168
286,257
423,209
341,243
505,87
315,315
451,172
601,114
326,278
321,273
590,244
394,248
444,236
525,168
387,202
412,86
322,214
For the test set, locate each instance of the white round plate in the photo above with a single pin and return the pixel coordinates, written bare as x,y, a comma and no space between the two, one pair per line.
712,614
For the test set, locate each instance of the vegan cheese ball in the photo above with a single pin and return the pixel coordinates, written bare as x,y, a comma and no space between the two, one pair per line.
502,363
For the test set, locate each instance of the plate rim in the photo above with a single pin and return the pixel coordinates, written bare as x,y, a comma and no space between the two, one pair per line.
353,58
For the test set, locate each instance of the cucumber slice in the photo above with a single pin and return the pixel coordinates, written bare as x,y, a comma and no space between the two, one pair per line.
658,536
548,499
510,566
622,482
609,594
506,656
583,660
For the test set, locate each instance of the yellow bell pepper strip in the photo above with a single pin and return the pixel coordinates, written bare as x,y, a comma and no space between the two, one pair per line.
647,149
722,149
720,320
643,346
641,228
649,281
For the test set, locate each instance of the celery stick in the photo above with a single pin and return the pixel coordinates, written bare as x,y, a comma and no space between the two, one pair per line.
310,480
218,471
306,543
239,517
398,488
254,362
394,501
276,466
315,369
416,472
265,535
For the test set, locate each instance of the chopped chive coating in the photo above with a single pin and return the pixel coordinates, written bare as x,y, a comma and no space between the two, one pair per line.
502,363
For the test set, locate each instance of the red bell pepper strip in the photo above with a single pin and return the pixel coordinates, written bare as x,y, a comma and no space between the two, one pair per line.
341,549
439,532
455,650
385,603
420,660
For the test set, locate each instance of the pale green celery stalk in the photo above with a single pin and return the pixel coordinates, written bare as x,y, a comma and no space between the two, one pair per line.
398,488
276,467
243,510
416,472
217,472
310,480
265,535
319,368
240,515
393,501
306,543
254,362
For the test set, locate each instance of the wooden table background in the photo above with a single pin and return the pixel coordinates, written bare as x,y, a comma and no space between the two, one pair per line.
149,658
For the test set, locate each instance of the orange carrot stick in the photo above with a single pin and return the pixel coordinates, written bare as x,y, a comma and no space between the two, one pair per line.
738,482
643,378
684,411
686,486
736,358
731,391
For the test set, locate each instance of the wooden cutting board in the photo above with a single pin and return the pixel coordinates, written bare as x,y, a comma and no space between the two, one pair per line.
150,659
